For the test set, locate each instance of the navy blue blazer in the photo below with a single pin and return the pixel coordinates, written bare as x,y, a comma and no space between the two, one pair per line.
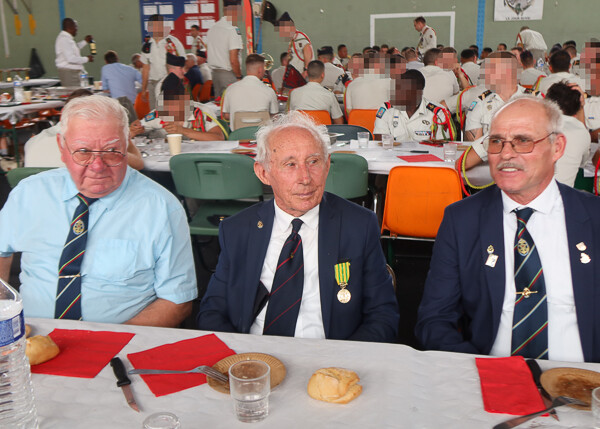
462,303
346,231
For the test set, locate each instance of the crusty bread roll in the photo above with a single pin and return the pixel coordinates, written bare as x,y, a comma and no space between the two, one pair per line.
336,385
40,349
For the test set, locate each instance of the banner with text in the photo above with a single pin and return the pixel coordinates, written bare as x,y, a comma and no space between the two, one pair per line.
518,10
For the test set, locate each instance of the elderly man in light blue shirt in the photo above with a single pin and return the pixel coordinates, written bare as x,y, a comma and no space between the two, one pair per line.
137,265
118,79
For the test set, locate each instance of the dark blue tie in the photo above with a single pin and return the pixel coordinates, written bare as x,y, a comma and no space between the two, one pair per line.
530,319
286,292
68,292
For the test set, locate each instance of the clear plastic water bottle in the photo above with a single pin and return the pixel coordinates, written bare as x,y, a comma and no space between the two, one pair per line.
17,406
83,79
18,88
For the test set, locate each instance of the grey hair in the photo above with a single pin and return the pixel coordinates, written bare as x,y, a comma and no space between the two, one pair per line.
551,109
294,119
192,57
94,107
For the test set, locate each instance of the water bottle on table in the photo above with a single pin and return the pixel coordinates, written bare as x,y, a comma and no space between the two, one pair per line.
17,406
18,88
83,79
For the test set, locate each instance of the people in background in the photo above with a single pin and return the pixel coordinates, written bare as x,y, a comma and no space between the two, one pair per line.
300,47
69,60
427,36
119,79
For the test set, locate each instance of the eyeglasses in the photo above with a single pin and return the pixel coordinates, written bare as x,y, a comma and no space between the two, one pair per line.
111,158
519,144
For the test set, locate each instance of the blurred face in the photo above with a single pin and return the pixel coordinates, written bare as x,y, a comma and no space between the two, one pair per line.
95,180
343,53
193,32
156,28
406,94
523,176
500,48
590,58
286,29
500,70
447,60
356,66
296,170
175,110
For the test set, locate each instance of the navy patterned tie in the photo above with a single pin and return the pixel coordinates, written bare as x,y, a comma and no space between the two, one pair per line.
68,291
286,292
530,318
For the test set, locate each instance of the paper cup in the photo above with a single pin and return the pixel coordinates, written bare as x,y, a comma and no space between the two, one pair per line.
98,84
27,96
174,143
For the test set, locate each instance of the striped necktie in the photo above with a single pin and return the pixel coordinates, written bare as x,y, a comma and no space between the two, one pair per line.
530,318
286,292
68,291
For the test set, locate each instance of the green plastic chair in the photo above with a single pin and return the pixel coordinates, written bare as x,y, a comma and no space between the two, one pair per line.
584,183
245,133
348,176
350,131
220,181
15,175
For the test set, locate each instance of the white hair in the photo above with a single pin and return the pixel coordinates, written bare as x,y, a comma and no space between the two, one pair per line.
192,57
94,107
294,119
553,113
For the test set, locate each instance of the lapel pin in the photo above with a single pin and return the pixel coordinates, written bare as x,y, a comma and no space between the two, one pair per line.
491,260
259,224
581,246
490,249
584,258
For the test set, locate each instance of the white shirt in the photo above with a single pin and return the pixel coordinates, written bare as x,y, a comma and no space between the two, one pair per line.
472,70
198,44
414,65
310,320
480,114
427,40
333,78
42,149
532,40
249,95
296,50
222,38
468,99
206,72
157,57
530,76
548,81
576,153
564,343
313,96
440,84
277,77
591,109
367,92
67,52
418,127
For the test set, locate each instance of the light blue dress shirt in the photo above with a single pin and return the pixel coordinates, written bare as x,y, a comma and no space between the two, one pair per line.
138,248
120,80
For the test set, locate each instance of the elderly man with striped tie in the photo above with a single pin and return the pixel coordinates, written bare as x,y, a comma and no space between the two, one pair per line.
307,263
99,241
515,267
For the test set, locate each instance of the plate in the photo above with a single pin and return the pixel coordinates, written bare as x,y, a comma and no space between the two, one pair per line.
574,382
277,369
395,143
244,151
344,151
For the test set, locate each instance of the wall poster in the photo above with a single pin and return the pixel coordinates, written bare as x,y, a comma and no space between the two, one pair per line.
518,10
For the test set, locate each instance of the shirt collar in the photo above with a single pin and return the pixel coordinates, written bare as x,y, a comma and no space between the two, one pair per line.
67,34
284,220
543,203
70,191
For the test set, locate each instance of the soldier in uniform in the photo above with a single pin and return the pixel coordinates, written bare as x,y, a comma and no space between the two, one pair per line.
300,48
533,42
428,38
529,75
371,89
410,117
154,57
198,43
334,76
560,64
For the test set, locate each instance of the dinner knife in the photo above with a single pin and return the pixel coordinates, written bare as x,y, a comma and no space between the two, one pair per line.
536,373
123,381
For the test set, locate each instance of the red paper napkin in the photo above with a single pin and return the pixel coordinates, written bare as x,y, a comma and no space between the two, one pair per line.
247,144
182,355
420,158
507,386
82,353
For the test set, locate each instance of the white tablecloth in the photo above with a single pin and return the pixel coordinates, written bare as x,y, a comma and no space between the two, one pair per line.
14,113
380,161
31,82
402,388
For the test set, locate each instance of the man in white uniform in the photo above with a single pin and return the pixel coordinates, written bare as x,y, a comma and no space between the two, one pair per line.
198,43
334,76
440,84
534,43
427,39
277,74
313,96
69,61
224,48
529,75
154,57
412,117
468,59
412,61
560,64
370,90
250,94
300,48
203,66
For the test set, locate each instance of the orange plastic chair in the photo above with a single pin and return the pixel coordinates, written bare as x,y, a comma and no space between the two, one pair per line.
363,117
196,91
204,95
321,117
142,108
416,198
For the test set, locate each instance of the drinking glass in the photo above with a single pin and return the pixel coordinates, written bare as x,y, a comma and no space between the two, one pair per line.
387,141
363,140
250,385
449,152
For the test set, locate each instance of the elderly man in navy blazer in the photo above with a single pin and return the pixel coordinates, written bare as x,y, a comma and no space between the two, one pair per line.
515,267
307,263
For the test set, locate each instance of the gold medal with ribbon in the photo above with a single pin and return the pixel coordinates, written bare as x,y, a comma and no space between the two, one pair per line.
342,275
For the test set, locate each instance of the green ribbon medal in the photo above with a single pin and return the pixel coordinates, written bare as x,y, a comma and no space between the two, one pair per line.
342,275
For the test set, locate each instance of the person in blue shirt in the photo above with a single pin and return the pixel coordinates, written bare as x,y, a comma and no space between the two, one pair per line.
192,71
118,79
137,266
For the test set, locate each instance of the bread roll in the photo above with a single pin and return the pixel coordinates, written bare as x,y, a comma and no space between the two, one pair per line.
335,385
40,349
